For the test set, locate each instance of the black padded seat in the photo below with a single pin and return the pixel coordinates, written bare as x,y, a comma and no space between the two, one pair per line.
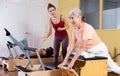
30,48
91,58
51,65
96,58
23,69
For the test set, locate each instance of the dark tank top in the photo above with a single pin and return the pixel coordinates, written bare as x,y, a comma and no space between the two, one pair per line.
60,24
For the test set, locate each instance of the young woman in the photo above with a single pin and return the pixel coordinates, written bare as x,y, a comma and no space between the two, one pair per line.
89,42
58,22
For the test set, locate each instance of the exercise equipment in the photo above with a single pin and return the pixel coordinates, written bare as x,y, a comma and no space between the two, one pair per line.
51,65
22,71
27,71
4,63
12,62
23,62
94,66
72,72
27,49
11,47
55,72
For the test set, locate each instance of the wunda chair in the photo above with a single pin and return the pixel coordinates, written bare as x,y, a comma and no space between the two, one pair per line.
95,66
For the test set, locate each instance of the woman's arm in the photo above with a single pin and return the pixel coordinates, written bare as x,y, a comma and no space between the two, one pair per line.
78,52
49,31
70,49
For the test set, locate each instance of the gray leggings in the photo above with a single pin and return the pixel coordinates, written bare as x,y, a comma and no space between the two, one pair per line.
57,41
22,43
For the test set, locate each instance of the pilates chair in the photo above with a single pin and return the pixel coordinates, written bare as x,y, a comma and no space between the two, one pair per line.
95,66
11,47
27,49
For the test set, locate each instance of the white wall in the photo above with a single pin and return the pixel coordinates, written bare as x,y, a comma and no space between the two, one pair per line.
20,16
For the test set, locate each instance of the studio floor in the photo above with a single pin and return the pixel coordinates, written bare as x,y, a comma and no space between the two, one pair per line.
3,73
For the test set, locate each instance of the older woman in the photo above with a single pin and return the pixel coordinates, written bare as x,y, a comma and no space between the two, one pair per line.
88,40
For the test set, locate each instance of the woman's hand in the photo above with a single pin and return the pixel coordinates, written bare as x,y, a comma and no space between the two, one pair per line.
70,66
59,29
61,65
44,38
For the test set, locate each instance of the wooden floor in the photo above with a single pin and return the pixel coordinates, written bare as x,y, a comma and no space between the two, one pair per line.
3,73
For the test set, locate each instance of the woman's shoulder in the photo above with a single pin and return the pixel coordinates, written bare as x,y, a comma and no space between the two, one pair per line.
88,26
62,17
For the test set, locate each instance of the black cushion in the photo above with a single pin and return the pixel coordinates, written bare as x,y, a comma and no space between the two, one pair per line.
91,58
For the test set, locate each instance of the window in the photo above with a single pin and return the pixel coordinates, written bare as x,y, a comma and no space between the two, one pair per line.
111,14
90,9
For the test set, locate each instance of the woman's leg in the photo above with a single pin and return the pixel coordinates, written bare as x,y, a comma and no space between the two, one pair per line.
101,50
56,48
24,42
112,65
65,42
20,44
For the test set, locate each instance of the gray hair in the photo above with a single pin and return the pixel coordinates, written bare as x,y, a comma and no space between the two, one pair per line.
76,11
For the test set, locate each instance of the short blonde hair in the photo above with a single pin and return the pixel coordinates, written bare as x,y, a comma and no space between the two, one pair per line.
76,11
